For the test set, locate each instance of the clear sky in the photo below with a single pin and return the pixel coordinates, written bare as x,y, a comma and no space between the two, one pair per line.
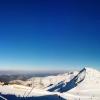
49,34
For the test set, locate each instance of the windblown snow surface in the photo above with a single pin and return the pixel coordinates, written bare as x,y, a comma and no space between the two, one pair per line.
84,85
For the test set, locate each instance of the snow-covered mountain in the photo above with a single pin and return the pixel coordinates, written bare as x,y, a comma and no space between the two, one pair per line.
45,82
86,78
85,86
82,85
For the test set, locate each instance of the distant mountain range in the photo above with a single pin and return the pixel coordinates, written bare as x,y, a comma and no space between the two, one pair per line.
7,76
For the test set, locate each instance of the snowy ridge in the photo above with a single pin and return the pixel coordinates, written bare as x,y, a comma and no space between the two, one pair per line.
86,78
91,79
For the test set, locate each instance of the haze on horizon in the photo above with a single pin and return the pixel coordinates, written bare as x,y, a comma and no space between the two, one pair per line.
49,34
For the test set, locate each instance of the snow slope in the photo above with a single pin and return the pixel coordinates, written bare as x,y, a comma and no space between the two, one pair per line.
86,78
16,92
84,85
88,86
45,82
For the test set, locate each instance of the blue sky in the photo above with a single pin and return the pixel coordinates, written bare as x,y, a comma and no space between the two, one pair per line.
49,34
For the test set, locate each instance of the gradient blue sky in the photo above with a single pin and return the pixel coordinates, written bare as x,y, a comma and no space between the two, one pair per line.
49,34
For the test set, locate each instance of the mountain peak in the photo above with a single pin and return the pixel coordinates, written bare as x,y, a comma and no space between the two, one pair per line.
90,70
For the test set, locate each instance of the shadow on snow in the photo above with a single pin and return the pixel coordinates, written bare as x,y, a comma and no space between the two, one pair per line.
47,97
